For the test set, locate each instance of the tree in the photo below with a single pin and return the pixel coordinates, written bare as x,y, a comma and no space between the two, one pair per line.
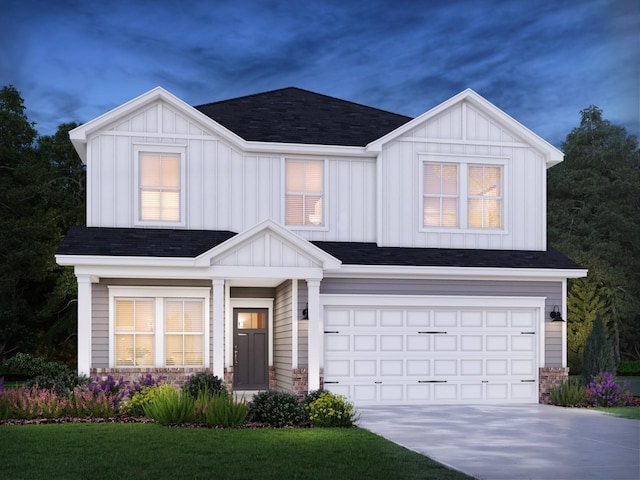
598,352
593,204
41,196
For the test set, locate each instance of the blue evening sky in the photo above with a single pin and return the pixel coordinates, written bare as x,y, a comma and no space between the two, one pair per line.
540,61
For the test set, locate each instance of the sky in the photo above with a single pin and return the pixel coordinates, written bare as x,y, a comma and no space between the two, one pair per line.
540,61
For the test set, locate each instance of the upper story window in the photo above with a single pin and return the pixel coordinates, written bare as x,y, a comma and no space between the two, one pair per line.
462,195
485,196
440,190
160,185
304,180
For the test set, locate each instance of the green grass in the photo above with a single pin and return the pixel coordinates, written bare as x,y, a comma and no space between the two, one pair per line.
107,451
624,412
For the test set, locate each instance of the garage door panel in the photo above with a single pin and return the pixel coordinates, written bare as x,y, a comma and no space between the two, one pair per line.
436,355
364,343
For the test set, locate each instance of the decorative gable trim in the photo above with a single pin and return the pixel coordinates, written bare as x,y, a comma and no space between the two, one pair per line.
268,245
80,135
552,155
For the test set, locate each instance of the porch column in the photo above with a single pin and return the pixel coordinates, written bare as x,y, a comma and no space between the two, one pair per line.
315,335
84,324
218,327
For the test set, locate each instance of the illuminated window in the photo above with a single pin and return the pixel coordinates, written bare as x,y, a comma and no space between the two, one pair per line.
159,187
440,190
304,192
485,196
134,329
184,332
158,326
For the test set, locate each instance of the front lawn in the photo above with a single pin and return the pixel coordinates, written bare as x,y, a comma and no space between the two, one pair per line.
112,450
624,412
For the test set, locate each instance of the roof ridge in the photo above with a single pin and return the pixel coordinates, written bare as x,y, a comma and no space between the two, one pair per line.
306,91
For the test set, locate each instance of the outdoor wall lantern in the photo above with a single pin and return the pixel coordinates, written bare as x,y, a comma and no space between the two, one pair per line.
556,315
305,313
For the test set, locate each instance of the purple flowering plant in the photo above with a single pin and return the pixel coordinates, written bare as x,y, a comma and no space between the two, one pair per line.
114,389
603,391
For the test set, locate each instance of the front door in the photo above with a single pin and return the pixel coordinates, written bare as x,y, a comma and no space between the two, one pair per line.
250,349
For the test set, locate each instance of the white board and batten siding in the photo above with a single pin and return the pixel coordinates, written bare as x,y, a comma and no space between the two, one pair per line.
225,188
432,350
462,134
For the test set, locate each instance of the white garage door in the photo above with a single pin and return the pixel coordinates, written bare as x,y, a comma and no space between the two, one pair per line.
430,350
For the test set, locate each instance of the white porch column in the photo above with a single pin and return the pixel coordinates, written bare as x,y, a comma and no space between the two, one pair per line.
84,324
315,335
218,327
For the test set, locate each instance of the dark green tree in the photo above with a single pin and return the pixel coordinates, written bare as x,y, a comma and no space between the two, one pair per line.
598,352
593,207
41,196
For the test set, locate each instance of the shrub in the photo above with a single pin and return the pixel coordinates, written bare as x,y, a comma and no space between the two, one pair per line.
631,367
115,389
570,392
331,410
85,403
32,366
276,408
170,406
220,410
598,353
603,391
63,383
33,402
202,381
312,395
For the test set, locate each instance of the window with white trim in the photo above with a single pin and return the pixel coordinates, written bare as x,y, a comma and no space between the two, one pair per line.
440,191
446,204
159,184
159,326
304,191
485,196
159,187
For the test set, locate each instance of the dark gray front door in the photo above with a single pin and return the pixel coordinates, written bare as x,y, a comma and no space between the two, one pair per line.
250,349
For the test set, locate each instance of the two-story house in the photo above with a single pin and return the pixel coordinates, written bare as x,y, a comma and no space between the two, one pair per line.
291,240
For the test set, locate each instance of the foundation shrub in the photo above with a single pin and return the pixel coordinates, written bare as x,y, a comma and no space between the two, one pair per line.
331,410
203,381
603,391
278,409
116,390
312,396
63,383
32,366
569,392
629,367
220,410
170,406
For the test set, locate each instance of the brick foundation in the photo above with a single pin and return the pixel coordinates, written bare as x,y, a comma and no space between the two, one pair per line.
550,377
300,382
228,378
173,376
273,385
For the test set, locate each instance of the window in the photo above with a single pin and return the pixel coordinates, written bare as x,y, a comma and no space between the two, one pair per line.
135,332
485,196
446,204
440,190
159,326
159,187
184,332
304,192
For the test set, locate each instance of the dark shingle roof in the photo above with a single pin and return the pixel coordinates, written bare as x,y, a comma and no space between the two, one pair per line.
293,115
140,242
151,242
353,253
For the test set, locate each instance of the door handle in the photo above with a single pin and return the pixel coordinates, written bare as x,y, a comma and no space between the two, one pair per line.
235,356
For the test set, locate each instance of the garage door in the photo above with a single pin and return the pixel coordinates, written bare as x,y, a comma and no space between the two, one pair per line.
429,350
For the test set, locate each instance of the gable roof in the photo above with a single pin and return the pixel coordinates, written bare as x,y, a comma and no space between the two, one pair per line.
294,115
152,242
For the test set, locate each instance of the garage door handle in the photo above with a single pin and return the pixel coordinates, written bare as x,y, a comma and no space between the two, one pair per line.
326,383
527,333
527,381
432,381
443,333
331,331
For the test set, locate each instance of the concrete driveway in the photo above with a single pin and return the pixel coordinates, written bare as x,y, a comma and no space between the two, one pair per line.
514,442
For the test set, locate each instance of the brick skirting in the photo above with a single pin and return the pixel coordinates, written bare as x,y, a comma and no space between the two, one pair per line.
550,377
173,376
